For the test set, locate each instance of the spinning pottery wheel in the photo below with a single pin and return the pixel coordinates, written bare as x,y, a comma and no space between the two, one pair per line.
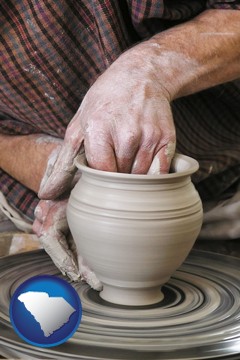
199,317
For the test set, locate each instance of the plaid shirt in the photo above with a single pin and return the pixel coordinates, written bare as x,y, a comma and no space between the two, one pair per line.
53,51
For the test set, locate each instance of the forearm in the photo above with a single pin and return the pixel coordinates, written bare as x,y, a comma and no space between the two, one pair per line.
211,46
193,56
25,157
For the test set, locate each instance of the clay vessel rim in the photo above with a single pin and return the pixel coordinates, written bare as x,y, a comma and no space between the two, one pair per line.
191,166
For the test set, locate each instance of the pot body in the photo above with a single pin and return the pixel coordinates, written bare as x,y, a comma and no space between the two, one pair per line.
134,231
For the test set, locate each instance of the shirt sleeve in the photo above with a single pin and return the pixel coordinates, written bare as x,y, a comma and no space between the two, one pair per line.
11,126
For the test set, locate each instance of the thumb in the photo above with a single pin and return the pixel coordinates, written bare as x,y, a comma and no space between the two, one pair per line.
60,169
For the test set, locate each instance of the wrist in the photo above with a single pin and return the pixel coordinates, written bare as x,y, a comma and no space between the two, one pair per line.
192,56
169,70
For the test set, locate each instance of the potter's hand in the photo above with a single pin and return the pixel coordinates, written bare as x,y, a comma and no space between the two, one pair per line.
52,229
125,121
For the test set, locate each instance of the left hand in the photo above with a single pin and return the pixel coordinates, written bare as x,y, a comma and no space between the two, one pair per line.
52,229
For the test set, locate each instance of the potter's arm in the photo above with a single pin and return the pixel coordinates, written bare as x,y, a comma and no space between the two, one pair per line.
133,113
25,157
188,58
198,54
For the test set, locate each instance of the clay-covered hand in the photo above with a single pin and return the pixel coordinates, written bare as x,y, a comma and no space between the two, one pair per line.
52,229
125,121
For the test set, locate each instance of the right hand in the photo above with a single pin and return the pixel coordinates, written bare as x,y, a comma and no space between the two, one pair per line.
125,122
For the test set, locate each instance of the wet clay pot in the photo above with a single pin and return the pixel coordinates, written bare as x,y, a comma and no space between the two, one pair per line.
134,231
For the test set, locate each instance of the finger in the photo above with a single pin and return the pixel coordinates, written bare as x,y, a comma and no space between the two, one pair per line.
126,148
142,160
150,141
61,169
112,149
55,245
40,214
42,209
37,226
162,160
88,275
52,229
100,154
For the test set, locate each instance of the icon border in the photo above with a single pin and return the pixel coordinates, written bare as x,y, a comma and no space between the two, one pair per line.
16,293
